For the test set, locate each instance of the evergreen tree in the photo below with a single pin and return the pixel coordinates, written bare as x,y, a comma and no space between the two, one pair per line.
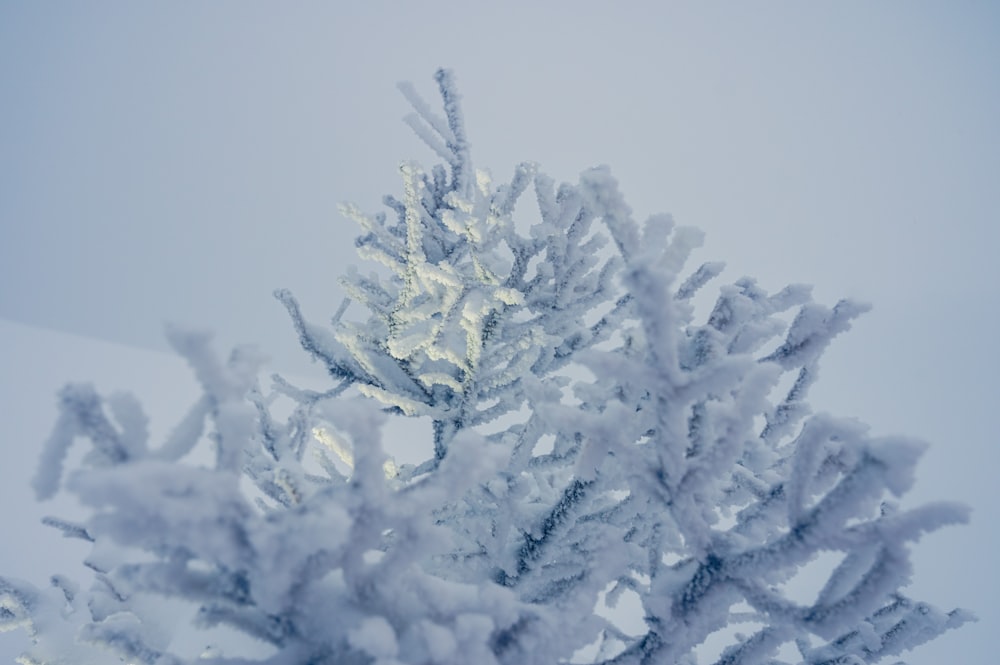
590,439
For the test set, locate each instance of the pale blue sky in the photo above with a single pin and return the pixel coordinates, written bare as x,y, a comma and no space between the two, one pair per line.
179,161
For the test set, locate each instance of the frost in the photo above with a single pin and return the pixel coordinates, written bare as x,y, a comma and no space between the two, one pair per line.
375,637
592,442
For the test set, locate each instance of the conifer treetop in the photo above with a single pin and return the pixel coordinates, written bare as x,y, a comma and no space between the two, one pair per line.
591,439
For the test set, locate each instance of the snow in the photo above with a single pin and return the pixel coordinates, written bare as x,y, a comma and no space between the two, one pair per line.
374,636
496,549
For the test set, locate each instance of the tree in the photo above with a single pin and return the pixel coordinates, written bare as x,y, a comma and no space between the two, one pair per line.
590,439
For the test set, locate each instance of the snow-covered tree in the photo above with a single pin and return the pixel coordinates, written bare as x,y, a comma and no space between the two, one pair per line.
591,439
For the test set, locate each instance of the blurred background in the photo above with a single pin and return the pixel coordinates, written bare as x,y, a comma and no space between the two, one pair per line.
168,162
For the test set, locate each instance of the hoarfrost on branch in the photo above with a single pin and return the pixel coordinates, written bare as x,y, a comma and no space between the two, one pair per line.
590,437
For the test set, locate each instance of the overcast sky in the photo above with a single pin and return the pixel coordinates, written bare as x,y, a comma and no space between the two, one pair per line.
179,161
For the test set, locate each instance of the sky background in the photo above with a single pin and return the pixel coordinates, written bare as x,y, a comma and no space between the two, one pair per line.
179,161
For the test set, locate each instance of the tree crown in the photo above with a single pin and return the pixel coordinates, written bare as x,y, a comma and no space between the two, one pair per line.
591,439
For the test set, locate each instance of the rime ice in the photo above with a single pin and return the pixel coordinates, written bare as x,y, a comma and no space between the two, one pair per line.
670,472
